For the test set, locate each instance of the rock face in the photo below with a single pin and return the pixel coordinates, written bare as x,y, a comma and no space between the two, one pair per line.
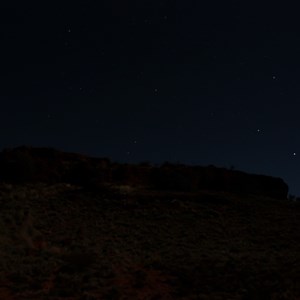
28,164
257,184
219,179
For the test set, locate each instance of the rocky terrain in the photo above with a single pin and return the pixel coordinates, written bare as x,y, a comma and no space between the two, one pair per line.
27,164
135,234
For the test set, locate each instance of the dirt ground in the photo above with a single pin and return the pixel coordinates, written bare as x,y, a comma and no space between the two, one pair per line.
63,242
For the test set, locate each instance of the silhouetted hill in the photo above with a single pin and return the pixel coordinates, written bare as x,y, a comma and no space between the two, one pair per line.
29,164
79,227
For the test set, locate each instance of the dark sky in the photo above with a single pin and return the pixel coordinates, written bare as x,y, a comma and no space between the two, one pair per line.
155,81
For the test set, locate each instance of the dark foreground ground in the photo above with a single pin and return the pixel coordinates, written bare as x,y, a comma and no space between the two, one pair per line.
62,242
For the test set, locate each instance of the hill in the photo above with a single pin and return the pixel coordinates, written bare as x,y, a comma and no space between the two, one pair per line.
28,164
124,240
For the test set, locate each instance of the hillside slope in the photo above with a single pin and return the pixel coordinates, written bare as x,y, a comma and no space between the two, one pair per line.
62,241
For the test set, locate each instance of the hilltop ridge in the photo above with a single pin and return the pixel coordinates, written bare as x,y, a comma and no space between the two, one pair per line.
32,164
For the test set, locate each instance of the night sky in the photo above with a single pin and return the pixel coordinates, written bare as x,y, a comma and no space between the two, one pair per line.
177,81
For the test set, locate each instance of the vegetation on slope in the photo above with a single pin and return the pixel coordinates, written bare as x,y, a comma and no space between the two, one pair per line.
125,242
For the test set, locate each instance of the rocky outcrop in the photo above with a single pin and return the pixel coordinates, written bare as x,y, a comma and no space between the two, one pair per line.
29,164
193,178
